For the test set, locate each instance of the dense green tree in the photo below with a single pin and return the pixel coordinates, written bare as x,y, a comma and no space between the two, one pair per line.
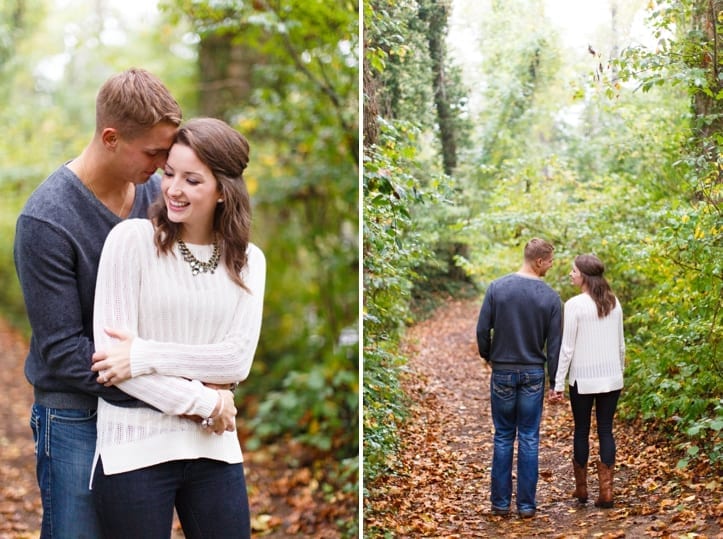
16,16
677,372
404,187
435,14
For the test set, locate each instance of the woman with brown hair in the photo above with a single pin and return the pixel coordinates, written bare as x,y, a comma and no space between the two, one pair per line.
593,351
182,294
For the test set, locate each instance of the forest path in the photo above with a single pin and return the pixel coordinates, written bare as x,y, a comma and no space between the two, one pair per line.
284,492
440,484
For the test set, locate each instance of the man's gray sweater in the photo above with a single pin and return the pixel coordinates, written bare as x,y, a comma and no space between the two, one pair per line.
520,324
58,240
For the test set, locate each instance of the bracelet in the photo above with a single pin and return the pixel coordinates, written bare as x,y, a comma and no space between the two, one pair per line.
208,421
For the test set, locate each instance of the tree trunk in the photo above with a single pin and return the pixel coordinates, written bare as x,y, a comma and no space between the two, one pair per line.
435,14
371,107
706,105
225,72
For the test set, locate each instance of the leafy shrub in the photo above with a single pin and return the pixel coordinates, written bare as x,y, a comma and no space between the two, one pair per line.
394,245
318,407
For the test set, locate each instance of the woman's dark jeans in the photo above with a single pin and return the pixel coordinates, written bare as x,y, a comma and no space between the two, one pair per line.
605,405
209,496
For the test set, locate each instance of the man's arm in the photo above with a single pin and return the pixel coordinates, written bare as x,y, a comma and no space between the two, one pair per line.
45,262
484,326
554,340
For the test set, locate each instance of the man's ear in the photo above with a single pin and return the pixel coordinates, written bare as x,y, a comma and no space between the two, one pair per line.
109,136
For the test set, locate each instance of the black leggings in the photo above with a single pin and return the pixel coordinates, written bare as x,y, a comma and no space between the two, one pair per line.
605,404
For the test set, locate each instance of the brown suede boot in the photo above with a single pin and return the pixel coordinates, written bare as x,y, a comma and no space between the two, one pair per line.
605,477
580,482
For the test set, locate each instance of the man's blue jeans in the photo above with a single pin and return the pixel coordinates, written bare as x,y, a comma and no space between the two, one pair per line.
210,498
64,448
517,397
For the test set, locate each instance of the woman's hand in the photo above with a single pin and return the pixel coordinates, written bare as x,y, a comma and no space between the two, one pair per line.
114,364
223,417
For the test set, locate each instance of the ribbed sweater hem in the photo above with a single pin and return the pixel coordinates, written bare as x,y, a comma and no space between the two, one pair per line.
65,401
513,366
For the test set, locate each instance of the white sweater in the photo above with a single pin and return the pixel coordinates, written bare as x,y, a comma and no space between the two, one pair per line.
189,329
593,348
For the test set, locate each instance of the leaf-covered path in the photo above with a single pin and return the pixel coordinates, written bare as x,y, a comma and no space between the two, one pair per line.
439,486
283,481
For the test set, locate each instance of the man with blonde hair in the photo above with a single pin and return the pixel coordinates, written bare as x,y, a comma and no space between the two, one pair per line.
59,236
519,329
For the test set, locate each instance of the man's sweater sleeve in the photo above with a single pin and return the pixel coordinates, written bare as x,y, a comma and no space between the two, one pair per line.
49,281
484,326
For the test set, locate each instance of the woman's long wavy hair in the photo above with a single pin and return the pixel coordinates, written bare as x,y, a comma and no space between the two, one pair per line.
591,268
226,152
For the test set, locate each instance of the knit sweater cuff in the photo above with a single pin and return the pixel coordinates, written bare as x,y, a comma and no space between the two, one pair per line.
140,358
207,402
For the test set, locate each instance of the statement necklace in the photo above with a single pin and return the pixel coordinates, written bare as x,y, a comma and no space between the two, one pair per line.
196,265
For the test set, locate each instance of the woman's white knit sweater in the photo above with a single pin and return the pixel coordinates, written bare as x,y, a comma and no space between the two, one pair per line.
189,329
593,348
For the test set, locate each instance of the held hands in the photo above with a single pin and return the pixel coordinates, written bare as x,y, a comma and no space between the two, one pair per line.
114,364
555,397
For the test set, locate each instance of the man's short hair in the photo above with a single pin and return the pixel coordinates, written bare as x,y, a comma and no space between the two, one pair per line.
538,248
133,101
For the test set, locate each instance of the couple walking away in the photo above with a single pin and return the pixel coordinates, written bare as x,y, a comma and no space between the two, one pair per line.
520,328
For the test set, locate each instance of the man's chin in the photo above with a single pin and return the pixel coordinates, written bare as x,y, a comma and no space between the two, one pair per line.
143,179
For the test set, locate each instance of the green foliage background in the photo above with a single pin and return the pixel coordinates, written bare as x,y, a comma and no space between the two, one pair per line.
396,185
301,117
598,152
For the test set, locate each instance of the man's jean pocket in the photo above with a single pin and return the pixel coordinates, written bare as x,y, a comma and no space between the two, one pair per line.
64,449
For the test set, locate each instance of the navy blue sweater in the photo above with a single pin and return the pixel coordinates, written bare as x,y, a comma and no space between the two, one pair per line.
58,240
520,324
